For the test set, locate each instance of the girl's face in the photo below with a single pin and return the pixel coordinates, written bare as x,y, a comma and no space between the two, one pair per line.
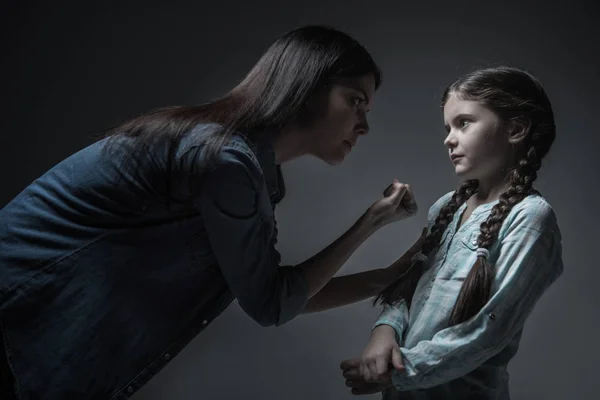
341,119
480,147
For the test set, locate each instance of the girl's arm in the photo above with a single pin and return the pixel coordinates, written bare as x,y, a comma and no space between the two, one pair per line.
383,347
397,315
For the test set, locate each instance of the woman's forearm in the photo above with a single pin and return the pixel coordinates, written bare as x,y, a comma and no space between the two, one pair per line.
348,289
319,269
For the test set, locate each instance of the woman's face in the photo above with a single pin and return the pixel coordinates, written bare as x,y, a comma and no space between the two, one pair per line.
341,119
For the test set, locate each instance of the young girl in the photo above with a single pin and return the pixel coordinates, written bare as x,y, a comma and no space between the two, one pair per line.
453,321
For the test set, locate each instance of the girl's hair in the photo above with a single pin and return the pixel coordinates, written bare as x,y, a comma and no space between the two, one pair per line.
515,96
298,66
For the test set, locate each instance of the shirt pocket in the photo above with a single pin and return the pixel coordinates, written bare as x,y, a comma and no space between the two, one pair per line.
469,240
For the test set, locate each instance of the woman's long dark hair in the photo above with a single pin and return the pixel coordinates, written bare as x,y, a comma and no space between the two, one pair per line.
296,67
514,96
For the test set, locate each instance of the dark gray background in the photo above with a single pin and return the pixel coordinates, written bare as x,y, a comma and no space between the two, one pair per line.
71,70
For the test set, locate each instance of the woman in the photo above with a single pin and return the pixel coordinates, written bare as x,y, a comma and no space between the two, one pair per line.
113,260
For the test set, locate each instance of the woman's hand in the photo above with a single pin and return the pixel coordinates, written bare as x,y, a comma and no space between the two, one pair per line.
398,203
358,384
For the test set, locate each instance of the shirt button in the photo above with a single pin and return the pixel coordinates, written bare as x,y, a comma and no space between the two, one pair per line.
130,389
204,322
492,316
433,279
475,242
167,356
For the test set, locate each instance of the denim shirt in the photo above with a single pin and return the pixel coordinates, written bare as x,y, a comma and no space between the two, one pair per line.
469,360
102,282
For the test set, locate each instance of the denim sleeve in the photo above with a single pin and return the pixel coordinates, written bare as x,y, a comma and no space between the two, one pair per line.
397,316
241,229
529,260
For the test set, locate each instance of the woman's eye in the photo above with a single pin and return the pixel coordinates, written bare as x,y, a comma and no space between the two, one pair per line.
464,123
357,100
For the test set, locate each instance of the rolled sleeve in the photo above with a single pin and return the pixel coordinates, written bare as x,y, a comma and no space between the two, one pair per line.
242,232
395,316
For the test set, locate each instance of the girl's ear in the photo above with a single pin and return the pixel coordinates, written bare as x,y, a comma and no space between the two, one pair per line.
518,130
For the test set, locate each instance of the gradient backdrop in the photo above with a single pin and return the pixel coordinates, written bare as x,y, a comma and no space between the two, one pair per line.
71,70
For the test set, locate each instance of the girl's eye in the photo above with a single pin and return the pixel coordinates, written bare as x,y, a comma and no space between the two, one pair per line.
464,123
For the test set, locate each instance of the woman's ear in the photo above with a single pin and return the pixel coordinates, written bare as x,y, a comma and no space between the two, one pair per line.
314,108
518,130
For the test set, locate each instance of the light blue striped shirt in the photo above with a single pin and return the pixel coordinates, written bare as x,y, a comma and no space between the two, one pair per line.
469,360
